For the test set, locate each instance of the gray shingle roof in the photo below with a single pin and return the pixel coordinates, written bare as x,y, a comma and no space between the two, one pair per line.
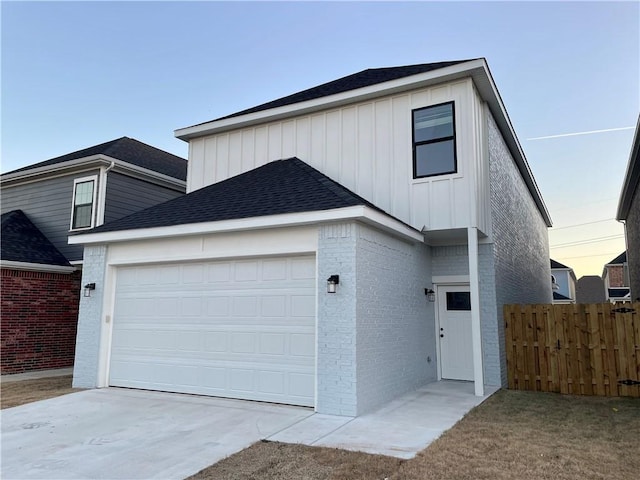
365,78
23,242
555,264
279,187
128,150
620,259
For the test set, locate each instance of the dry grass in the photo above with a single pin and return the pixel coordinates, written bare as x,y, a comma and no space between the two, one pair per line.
16,393
512,435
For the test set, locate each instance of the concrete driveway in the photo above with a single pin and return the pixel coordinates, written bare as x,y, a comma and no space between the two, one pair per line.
132,434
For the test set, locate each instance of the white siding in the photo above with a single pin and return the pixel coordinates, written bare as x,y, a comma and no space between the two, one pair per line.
367,148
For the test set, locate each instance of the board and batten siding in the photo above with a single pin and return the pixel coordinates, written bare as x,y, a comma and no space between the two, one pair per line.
126,195
47,203
367,147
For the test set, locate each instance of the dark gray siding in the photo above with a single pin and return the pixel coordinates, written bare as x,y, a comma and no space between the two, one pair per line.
633,245
127,195
47,203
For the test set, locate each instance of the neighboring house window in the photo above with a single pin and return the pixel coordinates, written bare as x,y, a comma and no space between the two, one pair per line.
84,199
434,142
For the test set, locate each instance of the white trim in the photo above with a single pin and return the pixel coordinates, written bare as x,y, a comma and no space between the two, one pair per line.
476,330
94,203
102,194
37,267
87,163
450,279
362,213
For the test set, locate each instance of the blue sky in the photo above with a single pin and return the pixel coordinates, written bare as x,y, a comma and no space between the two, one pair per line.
75,74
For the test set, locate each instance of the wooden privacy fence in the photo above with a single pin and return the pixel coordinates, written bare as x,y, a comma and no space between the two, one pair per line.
589,349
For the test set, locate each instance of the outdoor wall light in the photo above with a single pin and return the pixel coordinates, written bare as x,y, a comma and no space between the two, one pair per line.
87,289
431,295
332,283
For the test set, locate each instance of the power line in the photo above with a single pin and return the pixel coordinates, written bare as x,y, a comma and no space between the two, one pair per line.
581,224
584,242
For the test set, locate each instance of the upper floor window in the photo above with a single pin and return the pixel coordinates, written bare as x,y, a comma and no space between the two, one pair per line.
84,199
434,141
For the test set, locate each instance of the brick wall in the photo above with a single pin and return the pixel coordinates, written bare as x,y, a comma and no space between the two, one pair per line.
632,227
615,273
39,315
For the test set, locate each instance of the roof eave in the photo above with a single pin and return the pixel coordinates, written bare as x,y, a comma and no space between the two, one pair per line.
37,267
360,212
631,178
411,82
85,163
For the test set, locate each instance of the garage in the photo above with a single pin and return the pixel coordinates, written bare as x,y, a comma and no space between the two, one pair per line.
240,328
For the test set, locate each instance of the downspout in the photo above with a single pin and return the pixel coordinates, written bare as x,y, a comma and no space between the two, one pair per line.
102,193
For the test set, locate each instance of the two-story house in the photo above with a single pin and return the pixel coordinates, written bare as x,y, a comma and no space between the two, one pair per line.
44,203
615,276
338,247
563,280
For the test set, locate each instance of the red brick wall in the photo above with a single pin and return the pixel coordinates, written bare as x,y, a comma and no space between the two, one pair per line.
38,320
616,276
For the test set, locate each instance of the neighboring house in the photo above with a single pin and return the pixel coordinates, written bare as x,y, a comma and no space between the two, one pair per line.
615,276
629,213
563,280
42,204
337,248
590,289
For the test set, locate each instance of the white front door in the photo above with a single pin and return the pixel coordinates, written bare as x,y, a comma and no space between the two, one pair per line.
456,348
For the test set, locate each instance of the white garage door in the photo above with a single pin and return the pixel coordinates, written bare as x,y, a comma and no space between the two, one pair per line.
238,329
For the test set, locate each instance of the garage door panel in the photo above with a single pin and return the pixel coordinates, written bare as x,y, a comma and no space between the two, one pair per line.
240,329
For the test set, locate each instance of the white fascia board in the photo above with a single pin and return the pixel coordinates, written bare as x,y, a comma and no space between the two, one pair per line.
93,161
37,267
420,80
631,178
362,213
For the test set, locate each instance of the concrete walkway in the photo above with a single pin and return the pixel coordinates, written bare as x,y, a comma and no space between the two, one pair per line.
401,428
18,377
115,433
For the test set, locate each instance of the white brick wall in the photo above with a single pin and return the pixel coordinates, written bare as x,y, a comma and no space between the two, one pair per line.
85,369
521,243
396,345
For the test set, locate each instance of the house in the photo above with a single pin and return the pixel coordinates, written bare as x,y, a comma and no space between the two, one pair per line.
337,248
590,289
563,280
629,213
42,204
615,276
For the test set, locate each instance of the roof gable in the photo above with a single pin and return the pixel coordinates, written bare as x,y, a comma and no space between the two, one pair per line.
619,260
127,150
279,187
23,242
555,264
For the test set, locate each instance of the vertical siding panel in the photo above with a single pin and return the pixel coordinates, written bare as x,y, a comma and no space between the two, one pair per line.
303,139
332,142
235,153
349,150
196,165
318,141
288,139
383,160
440,204
275,142
248,150
366,167
209,154
261,149
222,158
401,157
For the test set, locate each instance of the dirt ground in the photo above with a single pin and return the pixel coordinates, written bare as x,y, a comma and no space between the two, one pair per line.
513,435
16,393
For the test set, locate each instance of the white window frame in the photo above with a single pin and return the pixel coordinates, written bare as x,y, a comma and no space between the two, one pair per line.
94,179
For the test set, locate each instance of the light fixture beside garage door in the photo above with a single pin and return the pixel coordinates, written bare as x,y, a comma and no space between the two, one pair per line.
88,288
332,283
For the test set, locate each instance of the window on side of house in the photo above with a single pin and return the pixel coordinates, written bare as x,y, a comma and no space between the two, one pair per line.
84,199
434,141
